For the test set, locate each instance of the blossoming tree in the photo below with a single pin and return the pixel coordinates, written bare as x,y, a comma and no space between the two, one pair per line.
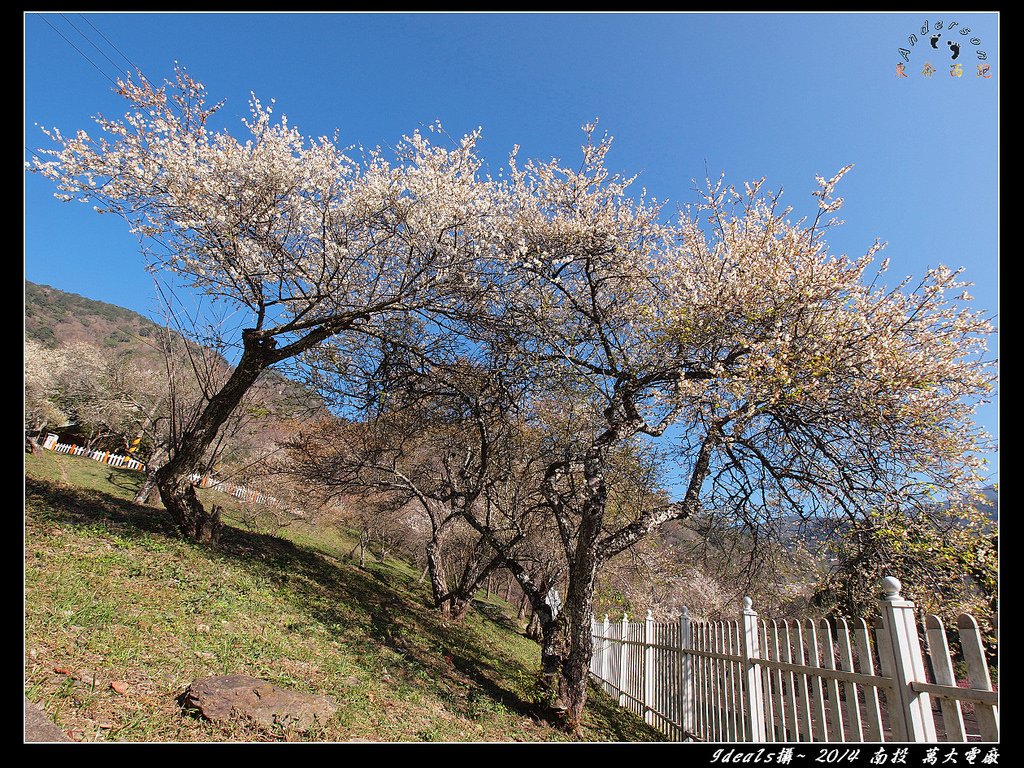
787,381
310,242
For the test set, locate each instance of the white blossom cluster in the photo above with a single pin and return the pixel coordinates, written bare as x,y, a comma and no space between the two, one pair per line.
733,319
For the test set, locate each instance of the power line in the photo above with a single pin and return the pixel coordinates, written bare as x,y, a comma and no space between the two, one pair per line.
80,53
90,42
98,32
121,53
170,102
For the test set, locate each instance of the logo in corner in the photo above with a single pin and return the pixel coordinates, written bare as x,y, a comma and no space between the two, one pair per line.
945,46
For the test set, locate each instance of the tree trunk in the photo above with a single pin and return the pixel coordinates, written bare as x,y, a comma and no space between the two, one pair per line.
193,520
382,545
149,483
566,649
524,604
364,540
575,665
176,491
438,582
553,652
567,643
457,606
533,628
473,574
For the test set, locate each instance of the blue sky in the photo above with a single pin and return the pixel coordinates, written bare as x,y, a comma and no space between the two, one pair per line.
786,96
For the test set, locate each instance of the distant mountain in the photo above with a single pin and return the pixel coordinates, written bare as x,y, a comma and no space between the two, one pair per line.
54,317
991,505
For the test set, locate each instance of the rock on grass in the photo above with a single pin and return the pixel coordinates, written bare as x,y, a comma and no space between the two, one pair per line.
225,697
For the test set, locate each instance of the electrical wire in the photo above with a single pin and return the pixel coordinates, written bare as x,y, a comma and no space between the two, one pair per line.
119,51
80,52
138,69
89,41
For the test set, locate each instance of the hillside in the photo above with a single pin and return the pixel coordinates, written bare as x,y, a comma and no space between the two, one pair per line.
113,596
54,317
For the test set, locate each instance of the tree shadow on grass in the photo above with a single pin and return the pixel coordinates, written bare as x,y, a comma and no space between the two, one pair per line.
604,715
129,482
497,615
380,603
51,501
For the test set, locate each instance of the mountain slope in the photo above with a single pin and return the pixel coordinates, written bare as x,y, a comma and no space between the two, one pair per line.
54,318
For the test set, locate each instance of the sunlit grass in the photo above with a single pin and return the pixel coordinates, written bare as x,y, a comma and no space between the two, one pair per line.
112,595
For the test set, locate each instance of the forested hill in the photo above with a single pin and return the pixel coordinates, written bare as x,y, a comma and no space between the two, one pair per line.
54,317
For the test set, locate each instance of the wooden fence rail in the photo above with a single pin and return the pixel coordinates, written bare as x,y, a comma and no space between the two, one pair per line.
798,680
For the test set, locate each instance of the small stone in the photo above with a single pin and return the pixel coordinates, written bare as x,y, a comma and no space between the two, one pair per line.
205,655
120,687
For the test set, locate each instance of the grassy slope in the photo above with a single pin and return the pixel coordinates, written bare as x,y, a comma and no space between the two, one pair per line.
112,596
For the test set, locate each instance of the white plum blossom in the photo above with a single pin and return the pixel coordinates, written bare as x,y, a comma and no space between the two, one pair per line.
787,380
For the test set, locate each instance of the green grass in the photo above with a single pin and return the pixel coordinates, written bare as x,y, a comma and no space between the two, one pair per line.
112,595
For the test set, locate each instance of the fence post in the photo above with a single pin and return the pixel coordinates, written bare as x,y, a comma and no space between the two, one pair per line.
606,648
907,664
623,659
686,703
752,674
649,669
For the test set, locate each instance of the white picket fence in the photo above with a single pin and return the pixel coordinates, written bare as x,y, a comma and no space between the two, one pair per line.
238,491
113,459
798,681
127,462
